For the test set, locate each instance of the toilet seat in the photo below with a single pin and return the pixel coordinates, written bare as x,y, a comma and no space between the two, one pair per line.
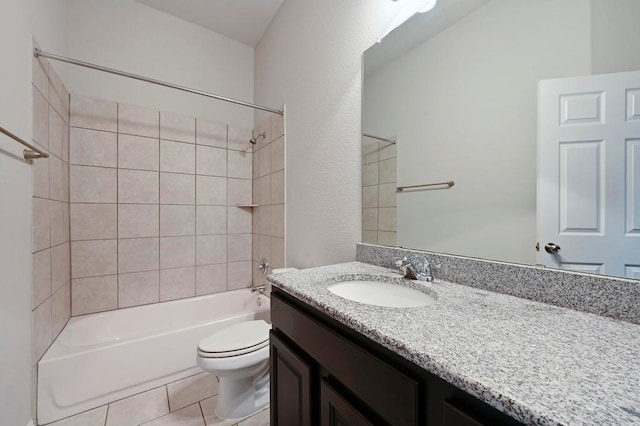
239,339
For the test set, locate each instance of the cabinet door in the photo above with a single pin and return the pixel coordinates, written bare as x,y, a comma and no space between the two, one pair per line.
290,386
336,411
453,416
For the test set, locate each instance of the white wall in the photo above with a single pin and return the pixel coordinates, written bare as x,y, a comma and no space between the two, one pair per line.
46,19
615,35
310,60
132,37
463,105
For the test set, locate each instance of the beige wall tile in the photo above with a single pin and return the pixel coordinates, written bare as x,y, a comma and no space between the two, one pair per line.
139,408
387,171
65,142
238,138
40,119
177,127
370,174
60,266
136,186
188,416
264,190
95,417
177,221
256,220
255,170
277,253
177,189
138,288
211,161
177,283
388,151
211,220
177,157
239,220
370,219
93,147
264,250
65,182
386,238
93,185
277,154
370,237
55,133
255,247
95,294
40,75
239,164
277,187
264,127
138,254
93,221
136,152
93,258
211,190
387,219
57,223
41,178
387,195
177,252
239,275
134,120
138,220
239,247
211,279
370,151
370,196
56,179
277,126
192,389
264,217
94,114
66,220
41,225
41,318
238,191
60,309
42,277
277,221
264,167
211,249
57,93
211,134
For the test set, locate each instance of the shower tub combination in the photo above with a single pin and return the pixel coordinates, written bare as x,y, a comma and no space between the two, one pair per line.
103,357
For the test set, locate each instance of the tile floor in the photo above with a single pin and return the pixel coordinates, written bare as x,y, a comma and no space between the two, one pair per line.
187,402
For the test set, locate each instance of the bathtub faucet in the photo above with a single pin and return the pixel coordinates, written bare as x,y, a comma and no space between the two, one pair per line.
261,288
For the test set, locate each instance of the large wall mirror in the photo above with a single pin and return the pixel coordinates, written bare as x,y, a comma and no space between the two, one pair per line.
519,121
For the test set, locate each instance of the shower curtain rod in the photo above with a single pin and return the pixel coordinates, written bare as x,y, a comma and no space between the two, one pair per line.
38,53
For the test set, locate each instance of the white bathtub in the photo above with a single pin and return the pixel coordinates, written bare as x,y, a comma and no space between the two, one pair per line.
99,358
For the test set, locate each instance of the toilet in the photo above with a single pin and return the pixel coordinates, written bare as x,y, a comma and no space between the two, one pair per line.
239,356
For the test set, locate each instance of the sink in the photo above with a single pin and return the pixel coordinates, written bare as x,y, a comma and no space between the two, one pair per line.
382,294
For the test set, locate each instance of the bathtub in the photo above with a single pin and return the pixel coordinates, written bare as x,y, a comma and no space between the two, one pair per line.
103,357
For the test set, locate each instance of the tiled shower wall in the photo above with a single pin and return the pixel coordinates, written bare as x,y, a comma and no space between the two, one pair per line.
153,206
269,196
379,181
51,302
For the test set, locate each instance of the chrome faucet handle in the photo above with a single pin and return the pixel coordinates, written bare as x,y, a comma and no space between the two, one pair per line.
427,271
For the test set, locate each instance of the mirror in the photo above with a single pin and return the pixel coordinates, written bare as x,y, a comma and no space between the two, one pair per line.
532,109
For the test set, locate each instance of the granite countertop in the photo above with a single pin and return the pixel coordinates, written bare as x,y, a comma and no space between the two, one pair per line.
538,363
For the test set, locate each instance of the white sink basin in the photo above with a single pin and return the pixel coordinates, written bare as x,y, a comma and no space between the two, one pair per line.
382,294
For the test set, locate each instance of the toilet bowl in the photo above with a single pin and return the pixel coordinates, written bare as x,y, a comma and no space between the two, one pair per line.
239,356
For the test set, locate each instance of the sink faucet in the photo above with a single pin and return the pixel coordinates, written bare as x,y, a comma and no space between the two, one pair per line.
411,272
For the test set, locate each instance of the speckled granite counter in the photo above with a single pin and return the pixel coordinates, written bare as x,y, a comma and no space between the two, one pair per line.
538,363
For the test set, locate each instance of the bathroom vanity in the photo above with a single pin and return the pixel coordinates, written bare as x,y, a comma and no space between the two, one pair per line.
472,358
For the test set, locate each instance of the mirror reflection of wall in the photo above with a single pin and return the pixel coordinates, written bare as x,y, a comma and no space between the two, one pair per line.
462,103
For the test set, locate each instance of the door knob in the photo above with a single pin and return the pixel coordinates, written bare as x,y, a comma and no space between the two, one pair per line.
551,248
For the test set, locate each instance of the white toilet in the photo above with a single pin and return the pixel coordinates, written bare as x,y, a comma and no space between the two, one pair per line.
239,356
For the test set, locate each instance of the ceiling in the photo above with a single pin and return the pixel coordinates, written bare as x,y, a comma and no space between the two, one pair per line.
241,20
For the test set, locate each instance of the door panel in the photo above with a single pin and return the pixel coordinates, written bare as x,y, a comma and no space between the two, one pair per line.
589,173
335,410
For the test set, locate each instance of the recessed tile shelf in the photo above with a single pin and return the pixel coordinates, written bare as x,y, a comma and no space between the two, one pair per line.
247,206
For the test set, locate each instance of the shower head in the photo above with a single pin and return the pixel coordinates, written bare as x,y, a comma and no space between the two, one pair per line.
254,139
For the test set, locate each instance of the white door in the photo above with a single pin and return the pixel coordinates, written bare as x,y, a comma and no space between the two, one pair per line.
589,173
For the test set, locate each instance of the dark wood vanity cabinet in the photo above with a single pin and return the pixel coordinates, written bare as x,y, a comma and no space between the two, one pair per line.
325,374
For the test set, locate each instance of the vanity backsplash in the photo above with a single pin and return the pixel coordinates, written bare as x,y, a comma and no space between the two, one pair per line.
601,295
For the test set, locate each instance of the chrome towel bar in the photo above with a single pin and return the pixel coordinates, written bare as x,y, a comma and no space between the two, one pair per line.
448,184
29,154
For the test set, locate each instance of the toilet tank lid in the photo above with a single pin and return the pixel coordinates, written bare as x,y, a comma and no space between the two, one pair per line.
236,337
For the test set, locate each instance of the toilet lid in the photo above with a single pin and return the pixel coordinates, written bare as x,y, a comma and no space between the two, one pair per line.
237,339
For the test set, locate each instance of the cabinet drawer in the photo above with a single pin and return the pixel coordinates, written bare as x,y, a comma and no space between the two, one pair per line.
387,391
